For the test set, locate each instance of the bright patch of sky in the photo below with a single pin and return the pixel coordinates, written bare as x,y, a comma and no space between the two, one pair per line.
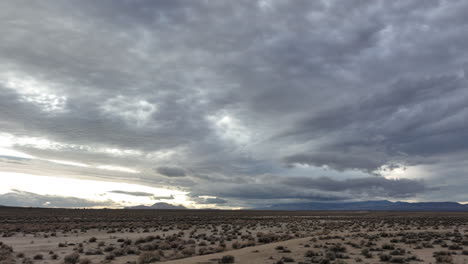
88,189
35,91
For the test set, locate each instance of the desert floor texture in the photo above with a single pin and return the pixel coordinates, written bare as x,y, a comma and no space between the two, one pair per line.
81,236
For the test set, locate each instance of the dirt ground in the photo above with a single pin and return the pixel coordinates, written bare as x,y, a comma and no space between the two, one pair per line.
212,236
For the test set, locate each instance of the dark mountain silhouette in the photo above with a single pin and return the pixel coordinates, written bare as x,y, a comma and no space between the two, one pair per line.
383,205
158,206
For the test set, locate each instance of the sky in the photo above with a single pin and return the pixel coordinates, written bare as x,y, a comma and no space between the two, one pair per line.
232,104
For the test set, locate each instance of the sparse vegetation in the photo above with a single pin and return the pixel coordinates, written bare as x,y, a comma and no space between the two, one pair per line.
299,237
227,259
73,258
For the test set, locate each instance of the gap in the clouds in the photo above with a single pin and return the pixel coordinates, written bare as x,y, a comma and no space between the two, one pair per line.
7,152
8,142
313,171
35,91
71,163
91,190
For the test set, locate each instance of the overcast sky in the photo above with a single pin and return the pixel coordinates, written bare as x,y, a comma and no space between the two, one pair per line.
232,104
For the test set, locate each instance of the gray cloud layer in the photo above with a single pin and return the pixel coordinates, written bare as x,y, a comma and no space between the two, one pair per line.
132,193
231,91
171,171
22,198
371,186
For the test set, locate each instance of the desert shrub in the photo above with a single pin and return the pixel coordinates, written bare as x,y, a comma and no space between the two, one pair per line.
127,242
398,252
92,240
218,249
164,246
455,247
397,260
323,261
38,257
267,238
444,259
71,258
140,241
188,251
110,256
148,257
366,253
441,253
6,254
330,255
413,258
340,262
85,261
227,259
279,247
148,246
427,245
310,253
109,248
388,247
131,250
26,261
385,257
119,252
288,259
337,248
236,245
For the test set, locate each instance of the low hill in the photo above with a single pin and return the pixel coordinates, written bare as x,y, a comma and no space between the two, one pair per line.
159,206
383,205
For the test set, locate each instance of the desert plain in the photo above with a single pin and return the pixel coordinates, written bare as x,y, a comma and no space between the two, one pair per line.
83,236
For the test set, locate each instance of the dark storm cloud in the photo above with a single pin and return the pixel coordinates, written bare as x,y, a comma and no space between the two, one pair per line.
272,191
277,188
144,194
371,186
13,158
22,198
412,119
209,200
132,193
170,197
171,171
338,161
232,90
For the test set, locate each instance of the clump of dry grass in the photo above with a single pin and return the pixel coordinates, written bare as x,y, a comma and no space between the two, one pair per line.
72,258
227,259
148,257
6,254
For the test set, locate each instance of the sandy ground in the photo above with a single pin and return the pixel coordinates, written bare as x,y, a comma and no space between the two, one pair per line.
268,254
261,254
250,237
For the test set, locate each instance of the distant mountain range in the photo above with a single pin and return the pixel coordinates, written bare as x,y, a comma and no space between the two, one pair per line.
371,206
382,205
159,206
